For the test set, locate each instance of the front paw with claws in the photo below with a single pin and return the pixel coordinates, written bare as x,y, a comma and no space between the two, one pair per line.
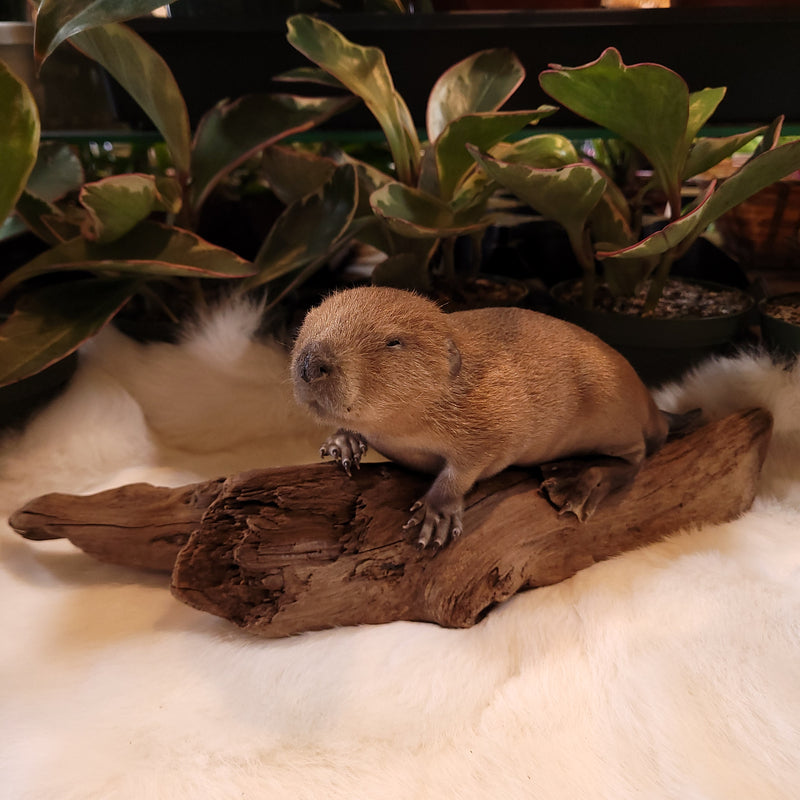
437,525
346,448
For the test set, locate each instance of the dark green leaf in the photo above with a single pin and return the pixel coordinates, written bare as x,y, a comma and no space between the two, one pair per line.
708,152
57,172
37,214
233,131
403,271
309,229
293,174
770,138
53,321
309,75
57,20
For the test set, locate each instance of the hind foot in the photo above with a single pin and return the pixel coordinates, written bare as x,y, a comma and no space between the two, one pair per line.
578,487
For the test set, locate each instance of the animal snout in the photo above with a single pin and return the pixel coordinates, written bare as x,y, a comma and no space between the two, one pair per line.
314,364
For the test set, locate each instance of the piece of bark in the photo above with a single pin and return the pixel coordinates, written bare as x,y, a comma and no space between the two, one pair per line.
293,549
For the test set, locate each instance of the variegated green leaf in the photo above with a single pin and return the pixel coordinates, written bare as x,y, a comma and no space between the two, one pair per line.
480,83
670,236
364,71
482,130
149,250
758,173
567,195
548,150
19,138
702,105
410,212
117,204
147,78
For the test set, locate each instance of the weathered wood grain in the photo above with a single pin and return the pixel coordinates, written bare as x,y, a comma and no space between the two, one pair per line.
286,550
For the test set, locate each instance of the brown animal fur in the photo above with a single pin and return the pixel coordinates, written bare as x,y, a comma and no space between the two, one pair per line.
467,394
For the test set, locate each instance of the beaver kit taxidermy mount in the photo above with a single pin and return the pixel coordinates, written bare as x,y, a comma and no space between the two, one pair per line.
467,394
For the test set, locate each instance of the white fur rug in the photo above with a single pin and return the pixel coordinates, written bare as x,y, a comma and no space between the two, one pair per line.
670,672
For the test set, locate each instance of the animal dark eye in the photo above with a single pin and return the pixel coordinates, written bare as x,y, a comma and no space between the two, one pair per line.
394,343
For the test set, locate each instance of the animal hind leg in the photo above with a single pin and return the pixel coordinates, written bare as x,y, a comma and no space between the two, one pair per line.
578,486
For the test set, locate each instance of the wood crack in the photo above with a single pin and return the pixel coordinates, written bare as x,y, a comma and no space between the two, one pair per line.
280,551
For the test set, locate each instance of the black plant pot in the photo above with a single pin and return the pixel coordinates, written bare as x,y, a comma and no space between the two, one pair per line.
660,350
780,336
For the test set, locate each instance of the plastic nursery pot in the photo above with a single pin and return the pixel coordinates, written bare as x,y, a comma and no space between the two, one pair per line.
660,350
781,336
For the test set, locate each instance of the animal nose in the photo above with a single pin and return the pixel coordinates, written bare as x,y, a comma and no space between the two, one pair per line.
314,367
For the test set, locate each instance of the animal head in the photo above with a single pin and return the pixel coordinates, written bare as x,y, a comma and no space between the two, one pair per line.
366,356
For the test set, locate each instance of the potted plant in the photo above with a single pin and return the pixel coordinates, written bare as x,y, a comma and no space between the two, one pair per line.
113,238
435,193
653,112
129,234
19,137
780,324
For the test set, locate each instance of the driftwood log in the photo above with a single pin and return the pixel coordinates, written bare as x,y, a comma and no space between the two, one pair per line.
280,551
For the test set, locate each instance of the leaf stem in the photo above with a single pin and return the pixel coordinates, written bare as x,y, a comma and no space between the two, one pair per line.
582,248
658,282
448,245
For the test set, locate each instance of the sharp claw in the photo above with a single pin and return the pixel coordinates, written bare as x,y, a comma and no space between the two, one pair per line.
412,523
346,466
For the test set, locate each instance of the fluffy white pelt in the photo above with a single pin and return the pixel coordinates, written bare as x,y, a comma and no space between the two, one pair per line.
669,672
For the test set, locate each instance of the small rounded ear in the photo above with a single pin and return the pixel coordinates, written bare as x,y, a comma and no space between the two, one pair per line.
455,358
